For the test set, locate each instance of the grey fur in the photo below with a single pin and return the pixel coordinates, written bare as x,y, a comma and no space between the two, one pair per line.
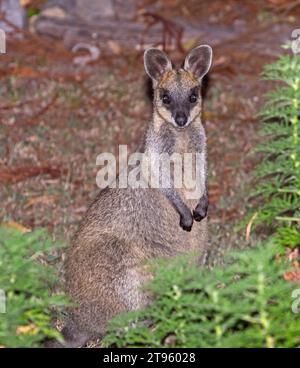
106,264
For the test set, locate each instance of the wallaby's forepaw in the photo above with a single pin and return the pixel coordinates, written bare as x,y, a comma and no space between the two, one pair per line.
200,211
186,222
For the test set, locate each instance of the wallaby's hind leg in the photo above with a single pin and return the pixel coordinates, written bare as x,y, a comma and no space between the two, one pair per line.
90,321
101,286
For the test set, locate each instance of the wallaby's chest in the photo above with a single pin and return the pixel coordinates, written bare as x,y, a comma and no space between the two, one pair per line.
191,147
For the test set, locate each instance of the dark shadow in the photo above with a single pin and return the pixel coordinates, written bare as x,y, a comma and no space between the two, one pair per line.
205,86
148,88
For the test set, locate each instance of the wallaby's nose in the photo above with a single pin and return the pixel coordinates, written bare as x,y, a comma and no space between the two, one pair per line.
180,119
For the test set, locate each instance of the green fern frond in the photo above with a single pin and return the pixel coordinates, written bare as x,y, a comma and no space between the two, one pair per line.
278,174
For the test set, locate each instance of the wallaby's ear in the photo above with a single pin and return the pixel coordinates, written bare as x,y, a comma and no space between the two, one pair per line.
198,61
156,63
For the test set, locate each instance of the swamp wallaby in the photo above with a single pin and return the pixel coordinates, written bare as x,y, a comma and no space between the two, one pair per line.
124,228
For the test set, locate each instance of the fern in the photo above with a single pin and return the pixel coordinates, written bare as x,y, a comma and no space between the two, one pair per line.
26,284
279,172
245,304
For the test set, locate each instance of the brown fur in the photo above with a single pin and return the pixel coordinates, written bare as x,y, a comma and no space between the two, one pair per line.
124,228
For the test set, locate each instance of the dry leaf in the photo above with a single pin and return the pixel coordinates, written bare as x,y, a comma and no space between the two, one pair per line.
27,330
208,115
15,174
190,43
54,12
292,275
25,3
46,200
279,2
292,254
15,225
114,47
25,72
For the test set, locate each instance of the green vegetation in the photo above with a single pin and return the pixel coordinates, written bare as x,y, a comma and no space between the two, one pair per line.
278,175
26,282
246,304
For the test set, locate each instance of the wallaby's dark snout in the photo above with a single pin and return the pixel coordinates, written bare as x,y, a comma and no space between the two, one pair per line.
181,118
106,264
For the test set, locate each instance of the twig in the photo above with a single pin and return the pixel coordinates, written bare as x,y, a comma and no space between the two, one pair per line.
294,219
249,226
170,30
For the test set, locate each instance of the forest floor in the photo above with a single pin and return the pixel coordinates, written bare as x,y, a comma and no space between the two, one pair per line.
56,117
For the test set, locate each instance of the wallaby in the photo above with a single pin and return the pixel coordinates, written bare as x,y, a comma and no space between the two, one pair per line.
124,228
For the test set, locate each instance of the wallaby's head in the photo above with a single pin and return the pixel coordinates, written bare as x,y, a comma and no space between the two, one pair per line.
177,93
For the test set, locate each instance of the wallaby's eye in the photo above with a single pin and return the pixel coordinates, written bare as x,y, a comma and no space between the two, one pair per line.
166,99
193,98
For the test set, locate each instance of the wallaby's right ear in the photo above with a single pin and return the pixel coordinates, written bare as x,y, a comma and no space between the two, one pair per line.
156,63
198,61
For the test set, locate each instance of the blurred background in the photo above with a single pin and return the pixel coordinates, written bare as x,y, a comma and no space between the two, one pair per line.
73,86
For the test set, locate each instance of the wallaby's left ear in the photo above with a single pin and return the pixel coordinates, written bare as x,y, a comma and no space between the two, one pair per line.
198,61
